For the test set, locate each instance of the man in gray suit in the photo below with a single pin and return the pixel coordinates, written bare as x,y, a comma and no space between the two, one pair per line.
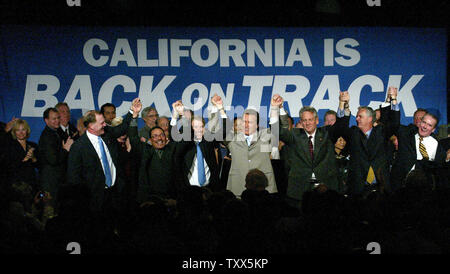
249,149
311,158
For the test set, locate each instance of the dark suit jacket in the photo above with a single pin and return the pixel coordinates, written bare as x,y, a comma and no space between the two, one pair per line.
443,171
85,167
73,132
184,157
146,181
17,170
407,156
370,152
300,162
52,161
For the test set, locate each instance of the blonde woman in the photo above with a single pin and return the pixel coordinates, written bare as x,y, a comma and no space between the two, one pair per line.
21,159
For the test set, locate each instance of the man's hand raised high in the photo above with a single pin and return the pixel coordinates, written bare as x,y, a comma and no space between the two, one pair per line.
216,100
277,101
136,107
178,108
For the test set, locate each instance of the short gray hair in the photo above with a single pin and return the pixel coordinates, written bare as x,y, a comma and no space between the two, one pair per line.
369,113
308,109
146,110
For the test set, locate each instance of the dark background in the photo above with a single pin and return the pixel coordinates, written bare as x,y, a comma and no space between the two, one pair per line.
213,13
408,13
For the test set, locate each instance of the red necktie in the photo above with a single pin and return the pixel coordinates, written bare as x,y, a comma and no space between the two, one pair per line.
311,148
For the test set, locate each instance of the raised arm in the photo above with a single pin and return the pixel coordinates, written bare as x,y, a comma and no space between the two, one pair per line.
393,122
120,130
279,120
219,124
341,127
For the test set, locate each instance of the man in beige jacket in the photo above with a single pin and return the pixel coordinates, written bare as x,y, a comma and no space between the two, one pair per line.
249,149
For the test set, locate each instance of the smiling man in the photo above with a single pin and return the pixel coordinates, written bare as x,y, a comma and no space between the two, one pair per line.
195,156
311,157
52,154
66,129
93,160
250,149
417,148
156,170
368,146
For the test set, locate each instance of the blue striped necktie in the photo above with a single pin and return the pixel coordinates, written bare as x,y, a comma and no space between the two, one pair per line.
105,163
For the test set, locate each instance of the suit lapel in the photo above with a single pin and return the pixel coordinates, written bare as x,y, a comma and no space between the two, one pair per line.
206,147
363,139
92,153
304,141
412,140
318,142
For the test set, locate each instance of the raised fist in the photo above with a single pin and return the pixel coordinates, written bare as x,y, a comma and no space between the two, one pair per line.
277,101
344,97
392,92
178,107
216,100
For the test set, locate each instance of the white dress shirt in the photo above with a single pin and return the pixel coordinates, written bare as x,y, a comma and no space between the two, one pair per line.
193,174
430,144
94,140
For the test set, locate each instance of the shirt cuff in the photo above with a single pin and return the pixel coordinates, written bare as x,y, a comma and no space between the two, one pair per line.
273,120
214,109
395,107
133,123
173,121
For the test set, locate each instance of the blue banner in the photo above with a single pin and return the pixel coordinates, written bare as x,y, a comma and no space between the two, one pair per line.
89,66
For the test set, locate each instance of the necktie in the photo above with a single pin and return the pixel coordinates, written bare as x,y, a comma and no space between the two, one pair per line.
67,132
311,147
159,152
105,163
249,140
422,149
200,166
370,176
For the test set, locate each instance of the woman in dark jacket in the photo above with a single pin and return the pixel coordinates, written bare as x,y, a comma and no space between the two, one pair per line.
20,155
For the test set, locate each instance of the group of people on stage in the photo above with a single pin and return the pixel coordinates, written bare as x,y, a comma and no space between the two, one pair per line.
115,166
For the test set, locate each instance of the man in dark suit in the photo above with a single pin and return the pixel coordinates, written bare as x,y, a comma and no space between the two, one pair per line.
94,160
196,157
368,146
443,172
311,151
66,128
52,154
417,149
156,168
